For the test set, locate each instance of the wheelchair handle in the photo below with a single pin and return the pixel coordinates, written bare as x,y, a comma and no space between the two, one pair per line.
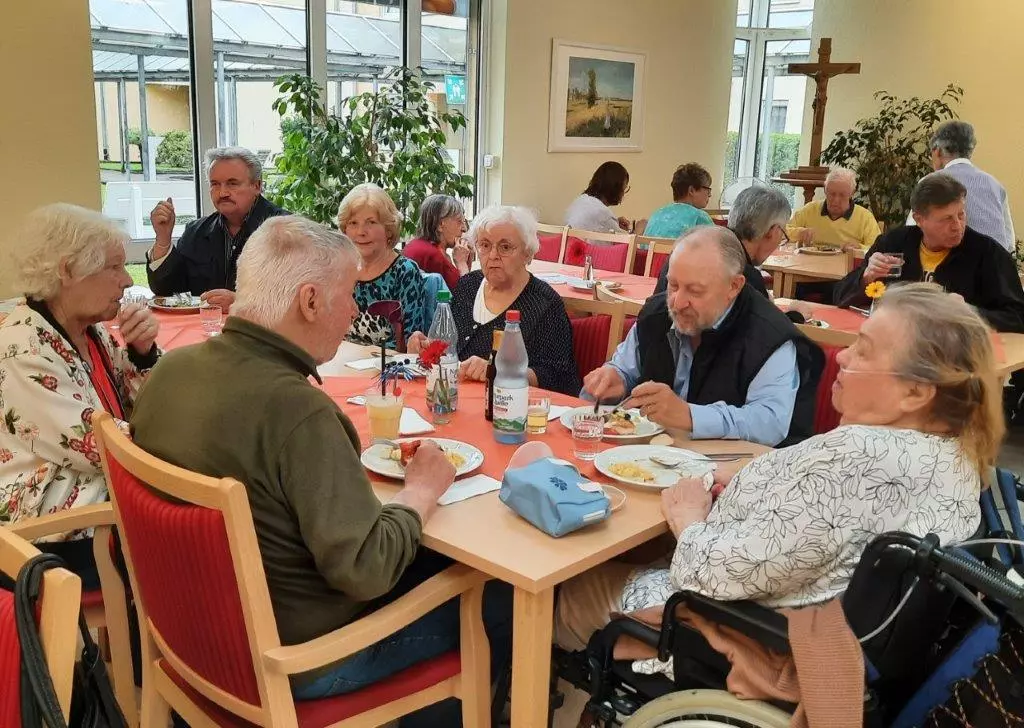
976,575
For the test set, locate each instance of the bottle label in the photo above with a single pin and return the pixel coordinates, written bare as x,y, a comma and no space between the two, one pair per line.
510,406
443,385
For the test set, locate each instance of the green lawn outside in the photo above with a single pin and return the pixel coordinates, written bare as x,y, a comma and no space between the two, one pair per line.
138,273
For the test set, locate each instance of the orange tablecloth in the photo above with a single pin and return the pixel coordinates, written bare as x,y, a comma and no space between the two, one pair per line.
468,423
635,288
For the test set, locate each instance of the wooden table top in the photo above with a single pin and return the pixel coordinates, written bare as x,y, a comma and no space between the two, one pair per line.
636,289
484,533
824,267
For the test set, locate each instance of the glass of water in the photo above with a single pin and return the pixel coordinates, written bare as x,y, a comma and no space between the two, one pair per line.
210,318
896,269
587,431
126,299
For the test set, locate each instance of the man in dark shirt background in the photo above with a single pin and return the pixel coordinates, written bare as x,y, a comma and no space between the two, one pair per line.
204,260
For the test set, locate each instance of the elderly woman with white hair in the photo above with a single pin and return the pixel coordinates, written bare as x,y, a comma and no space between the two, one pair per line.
505,239
370,219
59,365
837,221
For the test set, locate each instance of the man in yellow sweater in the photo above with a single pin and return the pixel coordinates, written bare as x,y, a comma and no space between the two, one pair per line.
837,220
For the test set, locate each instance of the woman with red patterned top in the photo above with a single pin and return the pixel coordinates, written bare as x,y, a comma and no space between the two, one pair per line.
58,365
442,223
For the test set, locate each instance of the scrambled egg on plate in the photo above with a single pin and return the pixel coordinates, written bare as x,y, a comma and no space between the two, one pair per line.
631,471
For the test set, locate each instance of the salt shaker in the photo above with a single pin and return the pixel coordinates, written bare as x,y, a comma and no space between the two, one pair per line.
588,269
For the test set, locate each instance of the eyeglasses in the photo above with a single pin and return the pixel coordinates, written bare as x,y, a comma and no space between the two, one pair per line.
705,187
505,249
785,238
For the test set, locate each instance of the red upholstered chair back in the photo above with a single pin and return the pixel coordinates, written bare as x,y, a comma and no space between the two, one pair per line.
550,248
185,576
604,257
590,341
10,664
825,415
660,259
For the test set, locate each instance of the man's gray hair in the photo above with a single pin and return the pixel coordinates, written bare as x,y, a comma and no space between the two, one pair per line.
954,139
757,210
433,211
224,154
284,254
937,189
61,232
734,258
520,218
842,174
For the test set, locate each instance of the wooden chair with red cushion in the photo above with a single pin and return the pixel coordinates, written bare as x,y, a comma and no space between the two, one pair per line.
825,415
616,256
57,623
596,331
210,645
104,609
552,242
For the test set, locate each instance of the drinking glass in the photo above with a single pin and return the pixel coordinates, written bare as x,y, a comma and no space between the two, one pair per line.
384,412
210,319
587,431
537,410
896,270
127,299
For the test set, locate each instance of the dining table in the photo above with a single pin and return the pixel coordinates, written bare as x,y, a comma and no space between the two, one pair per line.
483,533
633,288
791,267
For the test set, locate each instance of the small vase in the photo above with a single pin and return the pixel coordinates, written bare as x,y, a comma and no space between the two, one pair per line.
871,308
441,397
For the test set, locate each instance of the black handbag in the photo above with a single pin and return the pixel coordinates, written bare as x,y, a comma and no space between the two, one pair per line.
93,704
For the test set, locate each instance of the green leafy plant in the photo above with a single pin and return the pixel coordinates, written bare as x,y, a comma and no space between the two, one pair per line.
889,151
392,137
175,150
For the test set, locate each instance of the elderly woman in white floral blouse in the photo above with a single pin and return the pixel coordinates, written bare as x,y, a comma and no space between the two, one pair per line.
58,365
921,422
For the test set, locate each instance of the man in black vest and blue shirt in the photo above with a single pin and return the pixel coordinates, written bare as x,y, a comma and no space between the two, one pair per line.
713,356
204,260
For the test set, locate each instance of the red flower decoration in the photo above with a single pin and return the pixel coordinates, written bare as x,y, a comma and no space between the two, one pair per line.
433,353
50,382
87,415
5,455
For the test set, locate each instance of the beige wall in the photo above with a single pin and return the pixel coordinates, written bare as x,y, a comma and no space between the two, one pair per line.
47,130
688,45
915,48
167,109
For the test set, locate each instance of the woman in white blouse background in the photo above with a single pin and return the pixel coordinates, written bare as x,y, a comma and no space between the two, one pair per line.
921,421
590,211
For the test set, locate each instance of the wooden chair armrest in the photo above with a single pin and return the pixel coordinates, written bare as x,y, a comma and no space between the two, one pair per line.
374,627
73,519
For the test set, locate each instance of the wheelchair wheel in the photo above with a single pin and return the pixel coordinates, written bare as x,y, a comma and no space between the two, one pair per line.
707,709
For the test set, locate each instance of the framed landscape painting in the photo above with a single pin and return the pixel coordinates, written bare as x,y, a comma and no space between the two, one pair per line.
597,98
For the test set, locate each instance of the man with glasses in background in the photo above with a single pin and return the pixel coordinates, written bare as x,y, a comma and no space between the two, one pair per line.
837,220
691,193
204,260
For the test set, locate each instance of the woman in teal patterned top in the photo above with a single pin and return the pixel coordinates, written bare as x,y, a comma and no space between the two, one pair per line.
691,190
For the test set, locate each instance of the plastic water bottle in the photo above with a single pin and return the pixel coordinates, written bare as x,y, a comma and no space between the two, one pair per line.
443,394
511,387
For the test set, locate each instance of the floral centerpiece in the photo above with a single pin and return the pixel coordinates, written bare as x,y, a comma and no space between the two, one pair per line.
874,291
442,381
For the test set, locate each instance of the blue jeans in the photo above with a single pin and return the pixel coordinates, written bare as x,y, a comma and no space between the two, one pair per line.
430,636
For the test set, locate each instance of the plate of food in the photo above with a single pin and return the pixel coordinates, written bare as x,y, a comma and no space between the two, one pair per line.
178,303
817,323
584,285
820,249
652,466
619,424
386,460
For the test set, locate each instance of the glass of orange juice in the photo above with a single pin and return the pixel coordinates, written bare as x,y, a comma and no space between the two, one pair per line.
384,412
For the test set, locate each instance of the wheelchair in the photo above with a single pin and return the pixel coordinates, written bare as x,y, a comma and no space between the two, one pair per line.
942,631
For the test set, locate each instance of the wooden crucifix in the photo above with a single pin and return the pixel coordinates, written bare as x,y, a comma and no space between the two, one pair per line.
821,72
813,176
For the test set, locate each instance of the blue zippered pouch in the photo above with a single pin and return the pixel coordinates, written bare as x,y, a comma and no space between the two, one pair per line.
553,496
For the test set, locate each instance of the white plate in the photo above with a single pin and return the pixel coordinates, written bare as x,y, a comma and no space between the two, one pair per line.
644,427
375,458
162,303
582,285
817,323
819,251
640,454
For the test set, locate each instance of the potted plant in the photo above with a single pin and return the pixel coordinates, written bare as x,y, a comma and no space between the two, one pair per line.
889,151
392,137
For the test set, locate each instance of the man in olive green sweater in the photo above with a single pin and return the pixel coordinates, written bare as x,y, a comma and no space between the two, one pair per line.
241,405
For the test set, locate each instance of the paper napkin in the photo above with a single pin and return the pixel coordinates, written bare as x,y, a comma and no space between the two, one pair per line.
412,424
460,490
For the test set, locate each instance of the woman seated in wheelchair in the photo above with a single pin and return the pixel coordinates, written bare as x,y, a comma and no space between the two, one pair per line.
921,423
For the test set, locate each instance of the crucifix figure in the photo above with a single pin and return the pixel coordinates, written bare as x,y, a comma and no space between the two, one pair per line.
821,72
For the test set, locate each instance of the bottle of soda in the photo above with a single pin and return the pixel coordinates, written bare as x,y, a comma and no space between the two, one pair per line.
492,371
443,378
511,386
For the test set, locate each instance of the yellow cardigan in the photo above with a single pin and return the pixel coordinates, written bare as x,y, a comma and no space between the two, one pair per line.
860,228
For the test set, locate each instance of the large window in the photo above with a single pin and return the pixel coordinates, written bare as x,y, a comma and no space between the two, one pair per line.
767,103
152,114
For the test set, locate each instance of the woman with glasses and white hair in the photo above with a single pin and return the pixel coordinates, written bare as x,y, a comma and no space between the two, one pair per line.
505,239
370,220
442,223
59,365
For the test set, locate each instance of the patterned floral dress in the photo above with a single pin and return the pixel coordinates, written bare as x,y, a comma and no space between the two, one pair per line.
48,456
789,529
402,282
